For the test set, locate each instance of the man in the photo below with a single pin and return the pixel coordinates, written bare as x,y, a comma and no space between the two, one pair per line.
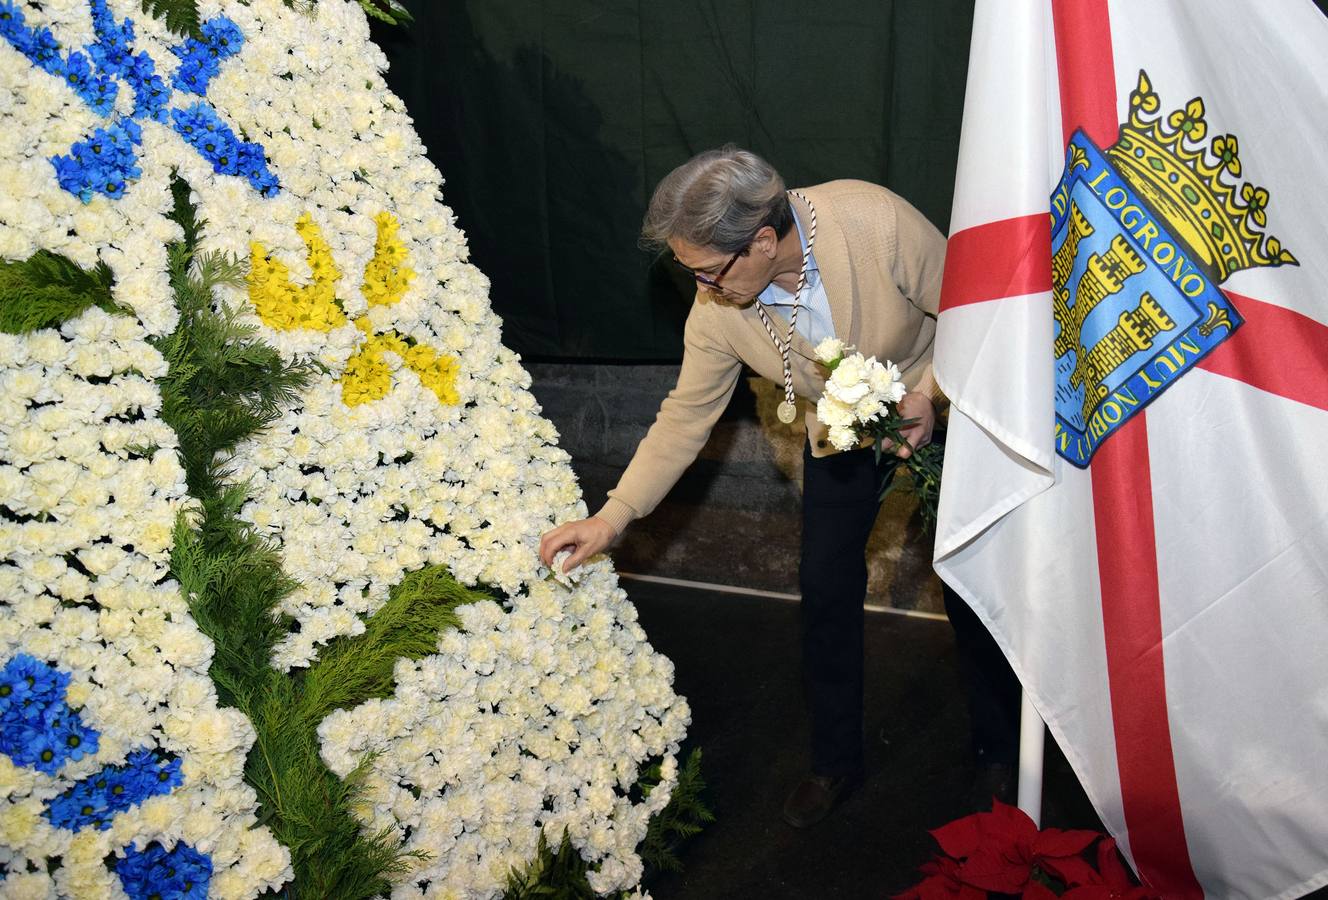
776,273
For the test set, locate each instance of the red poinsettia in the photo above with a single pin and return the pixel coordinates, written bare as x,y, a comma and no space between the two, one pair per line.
942,883
1114,880
1003,852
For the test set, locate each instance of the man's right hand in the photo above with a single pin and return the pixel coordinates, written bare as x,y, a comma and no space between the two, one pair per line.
585,537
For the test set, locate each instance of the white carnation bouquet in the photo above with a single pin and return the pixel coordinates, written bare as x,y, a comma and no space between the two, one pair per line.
860,403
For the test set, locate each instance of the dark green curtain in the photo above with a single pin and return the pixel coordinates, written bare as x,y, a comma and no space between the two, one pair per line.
552,121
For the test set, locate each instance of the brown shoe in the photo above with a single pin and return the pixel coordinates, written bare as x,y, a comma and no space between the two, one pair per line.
815,796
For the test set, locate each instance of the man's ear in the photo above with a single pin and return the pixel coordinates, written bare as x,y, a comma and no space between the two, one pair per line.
766,241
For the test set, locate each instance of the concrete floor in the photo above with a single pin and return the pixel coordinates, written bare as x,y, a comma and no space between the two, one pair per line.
748,719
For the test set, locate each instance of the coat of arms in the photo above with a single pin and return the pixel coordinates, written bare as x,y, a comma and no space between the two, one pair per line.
1142,235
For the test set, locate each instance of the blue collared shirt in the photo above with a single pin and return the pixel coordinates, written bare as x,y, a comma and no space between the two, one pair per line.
814,322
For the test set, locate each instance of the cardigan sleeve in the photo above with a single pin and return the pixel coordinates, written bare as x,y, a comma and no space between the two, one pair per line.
917,266
706,381
919,257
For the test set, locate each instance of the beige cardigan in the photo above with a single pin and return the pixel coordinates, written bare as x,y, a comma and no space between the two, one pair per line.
880,261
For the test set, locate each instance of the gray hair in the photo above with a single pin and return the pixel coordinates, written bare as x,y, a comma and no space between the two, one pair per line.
717,199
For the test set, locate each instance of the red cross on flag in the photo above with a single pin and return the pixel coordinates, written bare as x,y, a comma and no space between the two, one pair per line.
1133,336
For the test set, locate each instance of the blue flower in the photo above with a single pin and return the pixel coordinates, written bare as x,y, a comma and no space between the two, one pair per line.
86,170
179,874
12,23
94,801
44,51
75,738
200,60
97,91
20,676
28,685
37,727
111,51
102,164
33,747
151,93
223,36
78,72
200,125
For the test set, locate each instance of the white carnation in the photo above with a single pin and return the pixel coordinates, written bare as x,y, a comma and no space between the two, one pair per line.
829,350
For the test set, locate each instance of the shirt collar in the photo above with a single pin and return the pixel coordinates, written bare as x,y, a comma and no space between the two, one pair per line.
773,293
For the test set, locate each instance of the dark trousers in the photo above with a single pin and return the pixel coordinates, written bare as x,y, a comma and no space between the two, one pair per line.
839,507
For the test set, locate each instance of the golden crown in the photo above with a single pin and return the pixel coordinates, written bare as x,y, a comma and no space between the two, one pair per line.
1195,186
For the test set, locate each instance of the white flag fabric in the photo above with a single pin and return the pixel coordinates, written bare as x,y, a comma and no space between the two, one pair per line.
1134,337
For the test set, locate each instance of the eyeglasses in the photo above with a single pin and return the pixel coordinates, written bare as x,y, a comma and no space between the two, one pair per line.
712,281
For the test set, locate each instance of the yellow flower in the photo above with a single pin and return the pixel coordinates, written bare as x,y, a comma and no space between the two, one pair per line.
367,377
286,306
386,277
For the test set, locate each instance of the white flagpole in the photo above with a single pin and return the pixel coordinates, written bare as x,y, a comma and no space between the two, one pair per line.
1032,737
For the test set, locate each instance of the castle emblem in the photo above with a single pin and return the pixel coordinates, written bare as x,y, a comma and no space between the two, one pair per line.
1142,235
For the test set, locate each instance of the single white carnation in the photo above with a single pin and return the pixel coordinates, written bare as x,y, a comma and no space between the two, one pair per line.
830,350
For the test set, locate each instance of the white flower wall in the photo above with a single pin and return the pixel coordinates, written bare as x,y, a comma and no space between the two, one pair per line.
419,444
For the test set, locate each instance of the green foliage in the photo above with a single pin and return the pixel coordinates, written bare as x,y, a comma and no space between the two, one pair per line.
222,386
352,670
185,214
306,806
685,815
559,875
47,289
180,16
393,12
924,468
562,874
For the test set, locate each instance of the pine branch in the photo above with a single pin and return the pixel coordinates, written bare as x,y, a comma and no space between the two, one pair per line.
180,16
352,670
46,290
183,211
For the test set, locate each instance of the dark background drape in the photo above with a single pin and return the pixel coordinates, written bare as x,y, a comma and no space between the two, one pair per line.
552,122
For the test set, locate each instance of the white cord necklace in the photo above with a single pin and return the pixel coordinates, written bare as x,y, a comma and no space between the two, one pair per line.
788,410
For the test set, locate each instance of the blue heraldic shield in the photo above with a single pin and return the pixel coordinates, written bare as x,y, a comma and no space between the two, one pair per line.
1134,309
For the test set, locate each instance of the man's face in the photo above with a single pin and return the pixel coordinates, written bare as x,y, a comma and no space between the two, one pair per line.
732,279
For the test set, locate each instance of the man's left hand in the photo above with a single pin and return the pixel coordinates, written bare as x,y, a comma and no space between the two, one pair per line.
914,405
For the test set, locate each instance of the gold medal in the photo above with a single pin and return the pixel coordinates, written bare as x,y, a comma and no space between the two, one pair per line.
787,412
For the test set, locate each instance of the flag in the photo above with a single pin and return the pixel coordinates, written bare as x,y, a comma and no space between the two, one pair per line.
1134,337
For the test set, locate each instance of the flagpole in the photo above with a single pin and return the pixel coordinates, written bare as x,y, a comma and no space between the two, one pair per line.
1032,737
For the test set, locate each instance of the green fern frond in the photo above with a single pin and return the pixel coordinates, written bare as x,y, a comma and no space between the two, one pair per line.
684,816
180,16
352,670
183,211
216,268
46,290
559,875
